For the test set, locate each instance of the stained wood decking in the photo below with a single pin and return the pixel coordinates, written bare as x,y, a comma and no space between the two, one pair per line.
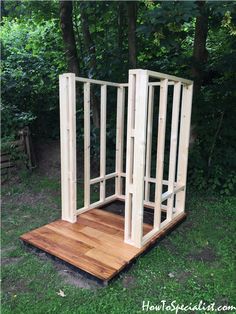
95,243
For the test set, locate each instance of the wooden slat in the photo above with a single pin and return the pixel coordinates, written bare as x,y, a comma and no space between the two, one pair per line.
149,84
160,151
152,180
91,235
64,144
183,146
6,157
98,82
149,141
129,156
84,222
103,141
88,264
107,200
68,146
115,221
169,77
106,177
87,244
139,156
110,239
79,248
72,175
100,226
173,147
114,228
18,148
119,138
7,164
105,258
86,145
156,233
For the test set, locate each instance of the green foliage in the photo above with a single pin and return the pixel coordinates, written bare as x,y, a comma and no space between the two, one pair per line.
33,57
32,60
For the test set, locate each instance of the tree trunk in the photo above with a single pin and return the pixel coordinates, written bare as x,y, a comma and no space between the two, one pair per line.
132,18
66,9
88,41
3,10
200,53
91,51
120,24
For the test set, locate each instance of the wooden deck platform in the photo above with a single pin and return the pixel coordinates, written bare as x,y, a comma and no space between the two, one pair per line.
94,244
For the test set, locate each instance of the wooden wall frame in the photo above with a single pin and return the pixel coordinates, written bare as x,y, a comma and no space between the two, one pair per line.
142,87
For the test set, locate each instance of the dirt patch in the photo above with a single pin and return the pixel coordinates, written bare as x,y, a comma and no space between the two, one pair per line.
182,277
223,301
49,162
8,249
14,286
166,243
188,224
28,198
48,158
70,276
10,260
205,255
74,278
118,207
129,281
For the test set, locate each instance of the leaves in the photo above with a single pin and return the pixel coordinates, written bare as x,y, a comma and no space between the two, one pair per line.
33,57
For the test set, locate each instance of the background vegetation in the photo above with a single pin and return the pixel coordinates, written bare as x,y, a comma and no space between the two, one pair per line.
99,39
196,40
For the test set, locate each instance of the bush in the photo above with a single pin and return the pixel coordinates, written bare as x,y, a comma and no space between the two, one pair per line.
32,59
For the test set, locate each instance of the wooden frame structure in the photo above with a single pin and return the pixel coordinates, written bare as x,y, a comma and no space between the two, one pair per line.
97,241
142,86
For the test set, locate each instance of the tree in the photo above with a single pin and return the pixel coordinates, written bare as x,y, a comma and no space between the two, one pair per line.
120,24
66,9
132,20
200,53
91,53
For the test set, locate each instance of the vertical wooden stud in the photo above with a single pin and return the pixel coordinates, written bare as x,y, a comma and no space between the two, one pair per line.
129,156
139,156
173,147
149,141
119,138
103,141
184,145
68,146
160,151
86,145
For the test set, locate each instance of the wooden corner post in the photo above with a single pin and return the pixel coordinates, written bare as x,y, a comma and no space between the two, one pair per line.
185,123
68,146
135,156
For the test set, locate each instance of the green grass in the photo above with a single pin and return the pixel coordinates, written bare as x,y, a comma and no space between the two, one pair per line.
195,262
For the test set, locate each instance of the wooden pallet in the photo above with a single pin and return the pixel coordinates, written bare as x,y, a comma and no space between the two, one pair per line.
95,244
11,156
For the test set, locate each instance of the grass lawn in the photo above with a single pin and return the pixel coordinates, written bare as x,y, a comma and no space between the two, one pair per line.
195,262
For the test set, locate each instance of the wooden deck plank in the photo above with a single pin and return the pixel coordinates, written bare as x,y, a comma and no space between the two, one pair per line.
89,240
107,220
105,258
113,244
70,255
95,243
54,238
97,225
